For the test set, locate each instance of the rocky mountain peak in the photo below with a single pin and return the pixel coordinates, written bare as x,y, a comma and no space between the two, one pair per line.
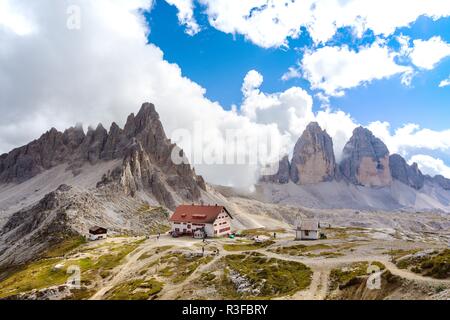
142,146
409,175
366,160
313,159
283,174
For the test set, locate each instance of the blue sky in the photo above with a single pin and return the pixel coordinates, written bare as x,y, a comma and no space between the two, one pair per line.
219,62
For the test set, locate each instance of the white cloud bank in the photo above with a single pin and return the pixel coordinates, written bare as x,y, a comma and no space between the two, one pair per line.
411,137
334,69
431,166
269,23
427,54
291,111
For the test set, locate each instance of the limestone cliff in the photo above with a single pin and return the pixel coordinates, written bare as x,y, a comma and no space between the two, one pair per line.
313,159
366,160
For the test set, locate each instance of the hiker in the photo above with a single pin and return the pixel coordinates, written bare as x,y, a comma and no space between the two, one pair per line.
274,235
203,251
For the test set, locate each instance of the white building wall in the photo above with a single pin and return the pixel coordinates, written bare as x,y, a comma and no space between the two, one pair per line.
94,237
223,221
312,235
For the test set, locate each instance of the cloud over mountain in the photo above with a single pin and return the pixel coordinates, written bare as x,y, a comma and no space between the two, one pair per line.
55,76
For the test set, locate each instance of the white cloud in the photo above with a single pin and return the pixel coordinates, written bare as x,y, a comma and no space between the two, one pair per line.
269,23
334,69
252,81
186,15
13,21
427,54
292,73
411,137
430,165
444,83
291,111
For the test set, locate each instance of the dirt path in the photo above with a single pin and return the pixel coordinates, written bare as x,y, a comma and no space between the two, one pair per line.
131,265
321,268
332,263
120,274
172,291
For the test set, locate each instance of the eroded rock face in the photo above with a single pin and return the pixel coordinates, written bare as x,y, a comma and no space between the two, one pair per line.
282,176
409,175
313,158
439,180
366,160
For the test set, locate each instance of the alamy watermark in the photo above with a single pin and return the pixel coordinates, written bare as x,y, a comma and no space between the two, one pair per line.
73,17
74,279
374,280
229,147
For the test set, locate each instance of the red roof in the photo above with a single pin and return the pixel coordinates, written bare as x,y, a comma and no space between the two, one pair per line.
197,214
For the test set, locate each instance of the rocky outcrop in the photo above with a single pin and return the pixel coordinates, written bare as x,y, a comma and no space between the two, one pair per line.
313,159
51,149
409,175
439,180
69,212
282,175
366,160
142,144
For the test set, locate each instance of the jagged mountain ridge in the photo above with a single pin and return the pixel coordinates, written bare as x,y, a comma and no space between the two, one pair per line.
142,145
367,177
366,162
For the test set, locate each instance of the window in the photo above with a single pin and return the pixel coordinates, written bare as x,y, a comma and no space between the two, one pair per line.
225,229
307,233
189,226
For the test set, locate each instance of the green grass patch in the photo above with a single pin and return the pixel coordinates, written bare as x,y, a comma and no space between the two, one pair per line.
301,249
178,267
435,265
270,277
66,246
207,277
147,209
345,233
135,290
151,253
81,294
247,246
35,275
102,266
342,276
260,232
398,254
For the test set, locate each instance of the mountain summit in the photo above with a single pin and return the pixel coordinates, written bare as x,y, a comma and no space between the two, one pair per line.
366,160
313,159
